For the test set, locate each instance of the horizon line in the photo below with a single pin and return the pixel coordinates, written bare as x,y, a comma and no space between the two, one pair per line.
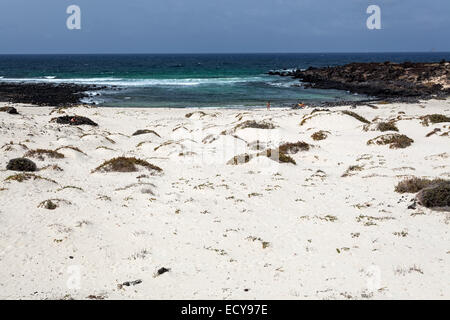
229,53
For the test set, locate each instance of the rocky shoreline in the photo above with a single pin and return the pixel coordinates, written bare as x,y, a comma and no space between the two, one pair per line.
45,94
385,80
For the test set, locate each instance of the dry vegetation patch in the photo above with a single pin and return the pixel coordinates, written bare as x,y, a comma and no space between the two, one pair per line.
356,116
350,171
21,177
293,148
434,118
146,131
71,148
254,125
41,154
414,185
394,140
387,126
123,164
320,135
436,196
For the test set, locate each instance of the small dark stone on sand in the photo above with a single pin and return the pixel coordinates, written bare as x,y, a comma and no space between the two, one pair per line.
162,271
21,164
129,283
413,205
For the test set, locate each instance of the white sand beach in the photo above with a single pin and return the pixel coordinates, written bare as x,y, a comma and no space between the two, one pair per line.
330,226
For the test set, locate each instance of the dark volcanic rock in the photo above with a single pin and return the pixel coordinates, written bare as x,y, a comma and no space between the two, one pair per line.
21,164
10,110
385,80
44,94
74,121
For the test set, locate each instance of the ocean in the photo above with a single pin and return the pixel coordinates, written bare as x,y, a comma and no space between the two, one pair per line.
192,80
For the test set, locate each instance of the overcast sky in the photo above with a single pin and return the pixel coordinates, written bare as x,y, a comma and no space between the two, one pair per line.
211,26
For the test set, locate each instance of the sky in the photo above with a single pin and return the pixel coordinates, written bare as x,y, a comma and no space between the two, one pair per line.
223,26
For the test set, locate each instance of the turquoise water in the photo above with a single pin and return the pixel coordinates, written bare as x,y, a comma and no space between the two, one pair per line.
214,80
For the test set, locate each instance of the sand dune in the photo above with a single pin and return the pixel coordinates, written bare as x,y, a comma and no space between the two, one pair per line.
330,226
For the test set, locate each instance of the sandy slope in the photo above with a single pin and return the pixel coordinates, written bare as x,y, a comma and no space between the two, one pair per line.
258,230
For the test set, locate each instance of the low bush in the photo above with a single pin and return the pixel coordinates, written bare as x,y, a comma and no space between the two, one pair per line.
386,126
436,196
21,164
394,140
41,154
292,148
123,164
414,185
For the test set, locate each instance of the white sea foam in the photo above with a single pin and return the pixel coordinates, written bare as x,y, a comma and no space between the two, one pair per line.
123,82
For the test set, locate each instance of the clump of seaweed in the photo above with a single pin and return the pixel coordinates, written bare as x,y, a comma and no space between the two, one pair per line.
387,126
356,116
434,118
41,154
414,184
394,140
293,148
319,135
124,164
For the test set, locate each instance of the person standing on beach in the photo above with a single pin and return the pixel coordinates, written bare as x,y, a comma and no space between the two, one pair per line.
268,105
